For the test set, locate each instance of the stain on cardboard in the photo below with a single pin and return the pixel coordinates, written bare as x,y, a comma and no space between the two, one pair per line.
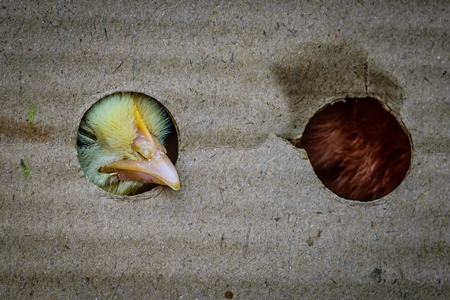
312,239
318,74
377,275
25,130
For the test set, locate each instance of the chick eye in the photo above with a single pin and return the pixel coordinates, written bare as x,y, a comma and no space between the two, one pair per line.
85,137
146,154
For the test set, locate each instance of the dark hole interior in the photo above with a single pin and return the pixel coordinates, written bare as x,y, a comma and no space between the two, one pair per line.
357,148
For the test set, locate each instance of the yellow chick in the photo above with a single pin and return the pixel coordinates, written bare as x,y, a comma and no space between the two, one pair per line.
121,144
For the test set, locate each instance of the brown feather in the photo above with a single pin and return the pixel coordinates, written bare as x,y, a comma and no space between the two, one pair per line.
357,148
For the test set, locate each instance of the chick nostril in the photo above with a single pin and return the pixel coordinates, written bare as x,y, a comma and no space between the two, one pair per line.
357,148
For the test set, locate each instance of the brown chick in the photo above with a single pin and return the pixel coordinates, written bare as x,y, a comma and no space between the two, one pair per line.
357,148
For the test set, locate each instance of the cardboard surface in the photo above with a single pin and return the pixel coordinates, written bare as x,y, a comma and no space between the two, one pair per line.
251,216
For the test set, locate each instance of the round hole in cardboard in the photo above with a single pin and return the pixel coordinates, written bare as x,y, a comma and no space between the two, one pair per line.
229,295
357,148
127,143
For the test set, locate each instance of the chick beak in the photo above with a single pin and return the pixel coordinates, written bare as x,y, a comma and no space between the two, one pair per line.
152,164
